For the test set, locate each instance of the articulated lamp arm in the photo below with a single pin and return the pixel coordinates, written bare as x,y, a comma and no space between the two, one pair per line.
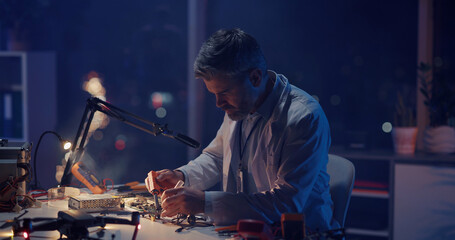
95,104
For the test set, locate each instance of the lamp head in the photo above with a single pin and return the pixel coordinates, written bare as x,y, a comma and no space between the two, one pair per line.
66,144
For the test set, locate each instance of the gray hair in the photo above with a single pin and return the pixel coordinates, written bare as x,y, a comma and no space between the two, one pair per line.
232,53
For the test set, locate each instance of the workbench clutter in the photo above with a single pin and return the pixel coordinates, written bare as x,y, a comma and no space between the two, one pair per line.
15,172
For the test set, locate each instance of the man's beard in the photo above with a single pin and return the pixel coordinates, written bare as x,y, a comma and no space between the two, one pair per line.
241,112
237,116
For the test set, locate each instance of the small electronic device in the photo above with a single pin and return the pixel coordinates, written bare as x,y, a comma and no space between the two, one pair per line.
73,224
143,205
14,172
61,192
85,176
254,229
14,155
97,202
292,226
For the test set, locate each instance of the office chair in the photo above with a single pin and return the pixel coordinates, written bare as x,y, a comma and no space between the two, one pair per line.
342,175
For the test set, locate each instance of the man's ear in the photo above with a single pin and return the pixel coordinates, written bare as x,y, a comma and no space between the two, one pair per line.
256,77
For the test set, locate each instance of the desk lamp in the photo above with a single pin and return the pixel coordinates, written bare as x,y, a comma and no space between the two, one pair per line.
66,145
95,104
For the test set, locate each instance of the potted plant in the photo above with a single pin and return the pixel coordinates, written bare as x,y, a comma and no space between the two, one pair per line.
404,132
439,136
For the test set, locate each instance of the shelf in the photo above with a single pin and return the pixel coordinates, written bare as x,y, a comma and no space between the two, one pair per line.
370,193
367,232
390,156
369,214
12,88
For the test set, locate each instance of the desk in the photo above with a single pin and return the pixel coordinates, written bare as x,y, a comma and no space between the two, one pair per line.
149,229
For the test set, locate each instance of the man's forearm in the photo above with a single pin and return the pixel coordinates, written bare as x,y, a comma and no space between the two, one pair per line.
203,172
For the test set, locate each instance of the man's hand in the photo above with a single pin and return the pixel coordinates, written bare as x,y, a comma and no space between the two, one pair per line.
169,178
182,200
164,179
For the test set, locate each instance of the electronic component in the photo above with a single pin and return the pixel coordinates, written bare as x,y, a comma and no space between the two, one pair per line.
14,173
95,202
61,192
144,205
12,155
85,176
254,229
292,226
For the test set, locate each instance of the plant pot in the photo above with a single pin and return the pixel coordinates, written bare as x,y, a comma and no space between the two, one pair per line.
439,139
404,139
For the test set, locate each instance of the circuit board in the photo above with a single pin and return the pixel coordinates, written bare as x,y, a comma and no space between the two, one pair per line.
143,205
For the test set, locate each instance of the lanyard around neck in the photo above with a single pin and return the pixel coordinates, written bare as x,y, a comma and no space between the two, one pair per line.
242,174
242,149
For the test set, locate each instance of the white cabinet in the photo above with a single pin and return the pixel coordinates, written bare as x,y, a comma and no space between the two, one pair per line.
424,202
404,197
28,95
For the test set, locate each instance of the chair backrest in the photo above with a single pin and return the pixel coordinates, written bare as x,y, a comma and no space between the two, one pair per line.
342,175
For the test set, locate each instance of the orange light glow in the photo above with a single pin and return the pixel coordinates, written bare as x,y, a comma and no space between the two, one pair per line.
109,227
7,234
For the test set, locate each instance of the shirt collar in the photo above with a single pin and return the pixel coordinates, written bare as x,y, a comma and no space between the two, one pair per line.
266,108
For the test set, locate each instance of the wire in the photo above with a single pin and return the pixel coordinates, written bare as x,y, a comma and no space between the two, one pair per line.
9,189
24,200
39,193
192,221
36,183
108,179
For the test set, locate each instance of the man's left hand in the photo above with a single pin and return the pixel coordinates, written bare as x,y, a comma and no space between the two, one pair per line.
182,200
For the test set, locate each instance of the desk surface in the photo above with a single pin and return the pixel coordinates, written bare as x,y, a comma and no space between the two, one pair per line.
149,229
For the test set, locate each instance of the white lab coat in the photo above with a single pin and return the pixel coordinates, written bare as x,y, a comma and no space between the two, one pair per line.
289,166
